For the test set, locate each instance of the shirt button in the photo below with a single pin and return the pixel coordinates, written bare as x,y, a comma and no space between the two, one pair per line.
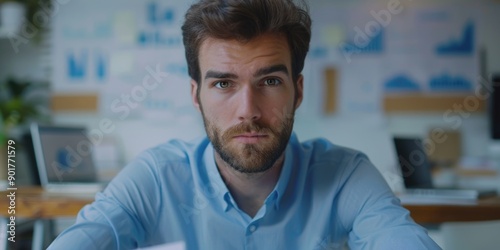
253,228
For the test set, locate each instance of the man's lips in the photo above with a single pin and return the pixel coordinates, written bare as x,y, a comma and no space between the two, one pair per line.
250,137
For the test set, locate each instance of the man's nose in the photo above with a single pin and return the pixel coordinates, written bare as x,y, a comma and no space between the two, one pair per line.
248,104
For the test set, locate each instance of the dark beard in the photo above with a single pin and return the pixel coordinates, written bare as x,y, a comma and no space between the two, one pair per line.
253,158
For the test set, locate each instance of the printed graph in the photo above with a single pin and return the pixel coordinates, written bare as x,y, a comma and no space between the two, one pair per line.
79,62
401,83
461,46
375,45
446,82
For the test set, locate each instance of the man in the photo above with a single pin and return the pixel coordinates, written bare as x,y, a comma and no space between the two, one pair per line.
251,184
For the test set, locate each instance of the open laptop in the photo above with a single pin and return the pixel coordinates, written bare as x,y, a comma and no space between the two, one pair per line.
417,176
64,159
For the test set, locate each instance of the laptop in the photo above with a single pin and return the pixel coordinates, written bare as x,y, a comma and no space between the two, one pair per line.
417,176
64,159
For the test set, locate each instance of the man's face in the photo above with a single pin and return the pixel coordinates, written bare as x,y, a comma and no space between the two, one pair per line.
247,99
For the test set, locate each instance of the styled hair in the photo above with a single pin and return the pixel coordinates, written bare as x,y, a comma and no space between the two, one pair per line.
244,20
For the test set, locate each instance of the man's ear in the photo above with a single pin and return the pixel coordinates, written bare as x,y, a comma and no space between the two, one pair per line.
300,91
194,95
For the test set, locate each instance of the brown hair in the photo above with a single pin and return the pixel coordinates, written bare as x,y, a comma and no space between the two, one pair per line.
243,20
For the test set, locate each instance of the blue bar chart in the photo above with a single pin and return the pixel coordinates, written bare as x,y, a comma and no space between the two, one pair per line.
462,46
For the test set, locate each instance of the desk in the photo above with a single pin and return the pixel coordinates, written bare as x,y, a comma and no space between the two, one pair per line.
485,209
33,203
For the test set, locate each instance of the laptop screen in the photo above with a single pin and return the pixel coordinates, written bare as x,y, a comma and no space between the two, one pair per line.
413,162
63,154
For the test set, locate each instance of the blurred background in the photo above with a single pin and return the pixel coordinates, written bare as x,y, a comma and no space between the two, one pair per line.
375,70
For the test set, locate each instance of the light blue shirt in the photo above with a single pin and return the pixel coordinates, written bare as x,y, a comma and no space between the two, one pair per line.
326,196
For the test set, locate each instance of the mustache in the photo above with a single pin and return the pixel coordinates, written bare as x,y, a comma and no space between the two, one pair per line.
246,128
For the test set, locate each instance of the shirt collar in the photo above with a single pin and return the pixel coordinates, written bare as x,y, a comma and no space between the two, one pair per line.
286,172
223,197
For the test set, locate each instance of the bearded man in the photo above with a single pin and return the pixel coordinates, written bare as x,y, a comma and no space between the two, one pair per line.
250,184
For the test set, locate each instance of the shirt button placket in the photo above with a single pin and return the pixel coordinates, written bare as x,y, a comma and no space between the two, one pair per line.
250,243
252,228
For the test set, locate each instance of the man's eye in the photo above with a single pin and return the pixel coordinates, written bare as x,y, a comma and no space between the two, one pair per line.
222,85
272,82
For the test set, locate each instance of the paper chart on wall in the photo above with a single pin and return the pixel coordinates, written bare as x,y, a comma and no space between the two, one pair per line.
130,52
427,49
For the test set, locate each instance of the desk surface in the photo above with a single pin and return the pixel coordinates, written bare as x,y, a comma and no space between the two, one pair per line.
32,202
485,209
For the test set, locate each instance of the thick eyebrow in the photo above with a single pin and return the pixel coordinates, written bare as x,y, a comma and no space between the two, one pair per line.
260,72
271,69
220,75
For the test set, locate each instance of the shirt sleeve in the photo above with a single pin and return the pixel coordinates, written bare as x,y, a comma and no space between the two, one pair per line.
377,220
121,216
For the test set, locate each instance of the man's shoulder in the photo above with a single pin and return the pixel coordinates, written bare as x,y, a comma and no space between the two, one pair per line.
323,157
176,150
321,149
329,164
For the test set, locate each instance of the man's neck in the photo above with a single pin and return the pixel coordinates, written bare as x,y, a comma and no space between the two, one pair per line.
249,190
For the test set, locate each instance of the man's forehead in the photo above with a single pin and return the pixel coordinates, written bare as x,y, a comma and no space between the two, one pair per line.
274,38
261,52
